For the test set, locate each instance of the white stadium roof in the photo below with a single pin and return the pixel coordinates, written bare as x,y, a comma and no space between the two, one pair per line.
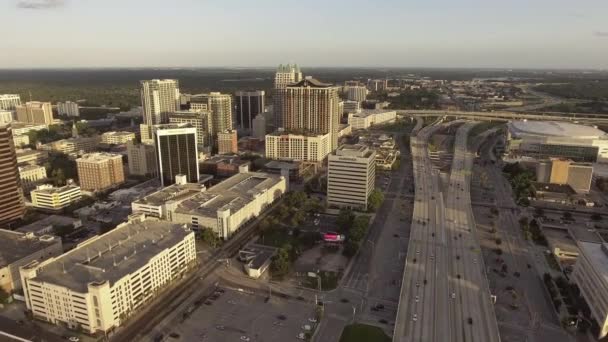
555,129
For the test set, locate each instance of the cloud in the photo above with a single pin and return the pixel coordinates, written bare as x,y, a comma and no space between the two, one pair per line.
40,4
603,34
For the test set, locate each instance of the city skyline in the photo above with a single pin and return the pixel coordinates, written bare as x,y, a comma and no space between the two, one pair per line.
463,34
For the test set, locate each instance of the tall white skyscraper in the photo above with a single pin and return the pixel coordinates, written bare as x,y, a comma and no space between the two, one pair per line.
285,75
9,101
68,108
158,99
220,106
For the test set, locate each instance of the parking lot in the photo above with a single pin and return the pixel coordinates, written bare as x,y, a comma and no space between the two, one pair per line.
241,316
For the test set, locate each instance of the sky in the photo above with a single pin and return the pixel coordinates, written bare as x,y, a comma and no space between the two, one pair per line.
332,33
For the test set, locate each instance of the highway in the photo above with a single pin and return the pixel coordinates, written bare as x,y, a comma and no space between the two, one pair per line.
444,293
504,115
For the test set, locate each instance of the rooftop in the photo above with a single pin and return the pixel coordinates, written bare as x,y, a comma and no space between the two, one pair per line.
17,245
52,220
30,168
310,82
597,256
368,112
118,133
276,164
357,150
98,157
49,189
555,129
175,192
111,256
233,193
226,159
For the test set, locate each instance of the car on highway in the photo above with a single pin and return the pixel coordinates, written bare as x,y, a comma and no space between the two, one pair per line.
415,318
417,299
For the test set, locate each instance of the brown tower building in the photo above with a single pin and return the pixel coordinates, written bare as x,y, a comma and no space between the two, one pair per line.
100,171
12,207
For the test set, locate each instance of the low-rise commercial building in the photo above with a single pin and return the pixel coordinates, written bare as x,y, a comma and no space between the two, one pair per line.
19,249
591,276
117,138
32,157
100,171
31,176
351,175
224,166
367,118
49,197
256,259
225,207
22,128
47,224
21,140
157,204
564,171
351,107
73,145
286,146
100,283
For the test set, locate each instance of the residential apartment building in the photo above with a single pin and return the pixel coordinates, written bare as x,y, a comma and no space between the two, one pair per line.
100,171
49,197
591,276
225,207
200,119
158,99
117,138
99,284
220,107
351,175
248,105
351,107
285,146
367,118
9,101
176,151
68,108
312,107
227,142
356,93
31,176
19,249
142,159
12,206
35,112
284,76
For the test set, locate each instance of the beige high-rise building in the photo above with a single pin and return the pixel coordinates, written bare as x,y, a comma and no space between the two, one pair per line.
100,171
311,106
12,206
200,119
35,112
351,174
68,108
117,138
358,93
311,148
227,142
158,99
284,76
220,106
9,101
142,159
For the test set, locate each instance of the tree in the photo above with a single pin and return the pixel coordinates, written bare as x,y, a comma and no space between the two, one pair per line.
281,262
375,200
4,296
498,241
209,237
345,219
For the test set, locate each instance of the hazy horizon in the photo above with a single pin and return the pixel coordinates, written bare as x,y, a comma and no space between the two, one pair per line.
461,34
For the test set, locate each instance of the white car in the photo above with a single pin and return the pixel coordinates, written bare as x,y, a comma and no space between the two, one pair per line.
73,339
301,336
306,327
245,338
312,320
453,295
417,299
415,318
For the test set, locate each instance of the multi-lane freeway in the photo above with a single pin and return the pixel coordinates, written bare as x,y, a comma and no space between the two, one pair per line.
444,292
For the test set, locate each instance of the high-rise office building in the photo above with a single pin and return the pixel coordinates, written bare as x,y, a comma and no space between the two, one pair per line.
284,76
358,93
142,159
351,176
259,127
100,171
311,106
35,112
220,106
158,99
176,152
12,205
6,116
198,118
227,142
9,101
248,105
68,108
